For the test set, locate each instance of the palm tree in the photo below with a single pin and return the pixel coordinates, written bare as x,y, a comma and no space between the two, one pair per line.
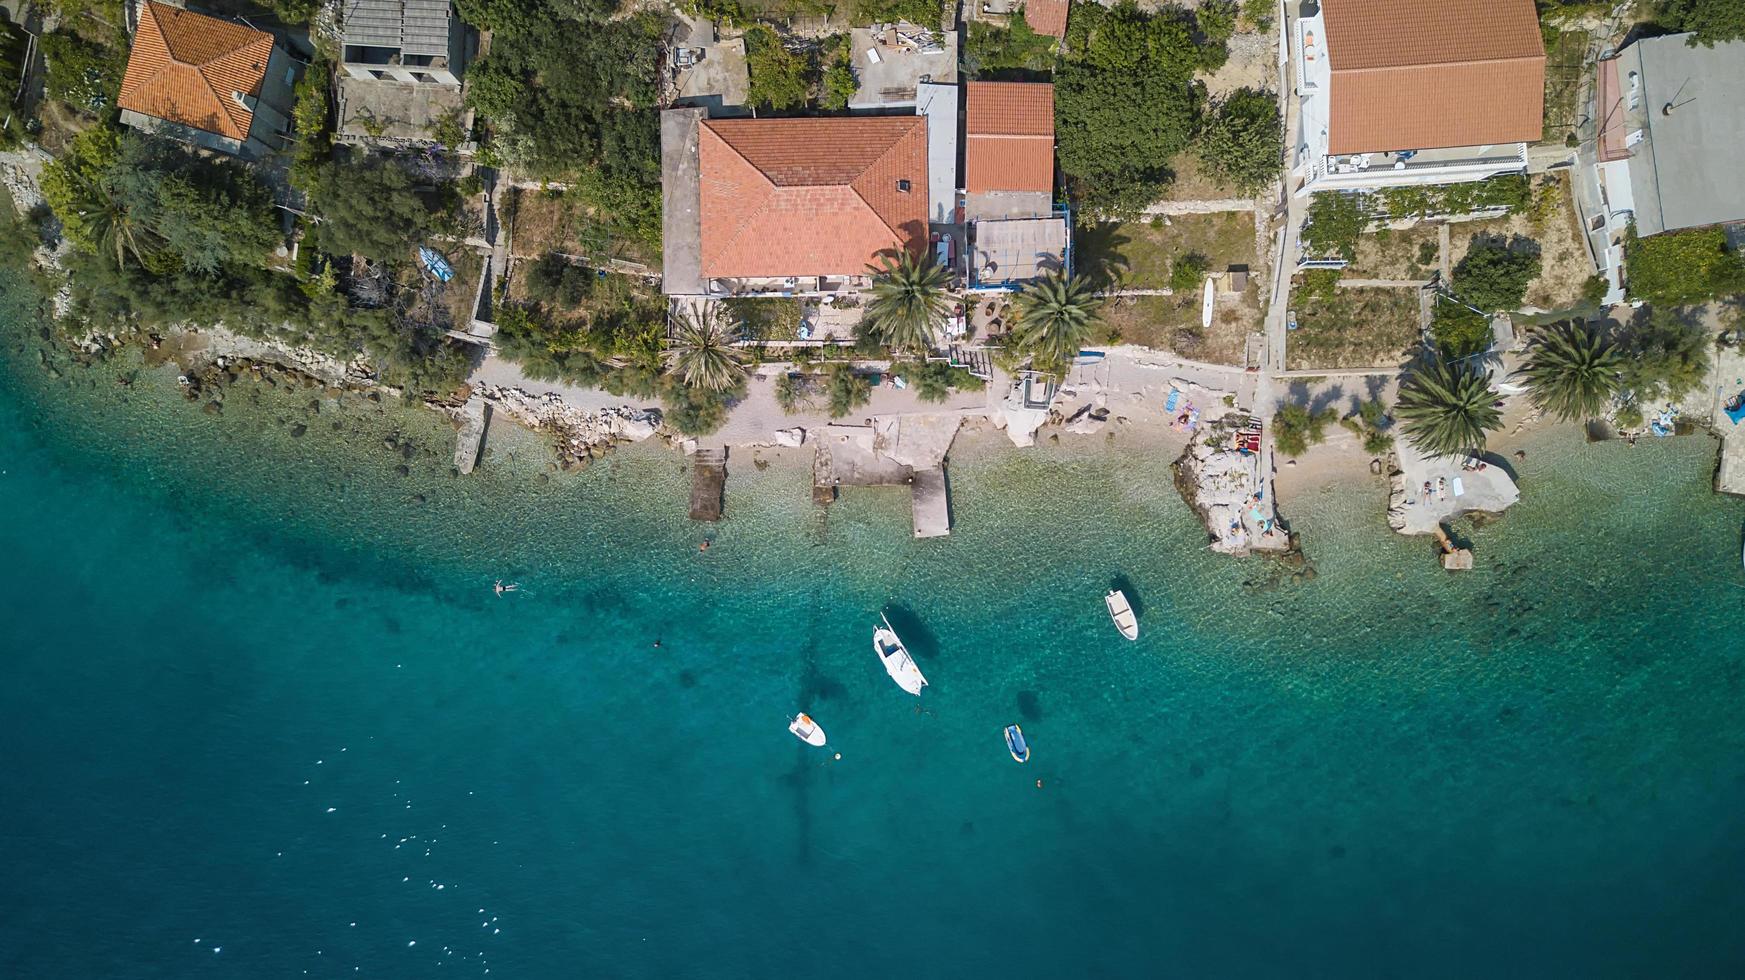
1571,370
701,350
1445,407
908,302
1055,316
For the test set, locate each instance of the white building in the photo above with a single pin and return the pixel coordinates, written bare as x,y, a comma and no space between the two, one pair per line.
1398,92
1666,147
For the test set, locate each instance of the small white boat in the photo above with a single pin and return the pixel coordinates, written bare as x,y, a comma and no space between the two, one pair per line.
1122,614
1016,745
1210,297
895,656
806,730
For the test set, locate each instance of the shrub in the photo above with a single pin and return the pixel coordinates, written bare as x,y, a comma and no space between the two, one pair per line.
80,73
1187,272
793,392
1458,331
1243,141
1295,428
779,77
1334,223
1682,267
1593,290
1495,276
552,279
1320,285
848,388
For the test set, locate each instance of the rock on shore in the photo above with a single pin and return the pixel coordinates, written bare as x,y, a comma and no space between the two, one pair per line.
583,434
1221,485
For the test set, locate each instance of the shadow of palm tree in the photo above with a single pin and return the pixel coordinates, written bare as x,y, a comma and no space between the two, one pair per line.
1102,258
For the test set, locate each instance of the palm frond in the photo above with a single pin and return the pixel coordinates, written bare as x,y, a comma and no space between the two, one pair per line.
1446,407
1571,370
908,303
701,351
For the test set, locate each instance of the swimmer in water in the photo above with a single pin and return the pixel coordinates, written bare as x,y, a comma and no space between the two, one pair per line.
657,644
501,588
704,546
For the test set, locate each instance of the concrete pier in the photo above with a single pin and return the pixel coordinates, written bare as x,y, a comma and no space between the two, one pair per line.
931,504
475,417
708,484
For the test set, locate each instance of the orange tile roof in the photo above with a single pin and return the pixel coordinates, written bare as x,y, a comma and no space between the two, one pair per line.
809,197
1009,137
1611,107
1047,16
1424,74
185,67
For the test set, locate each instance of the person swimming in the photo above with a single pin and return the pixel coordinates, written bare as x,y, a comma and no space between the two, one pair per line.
500,588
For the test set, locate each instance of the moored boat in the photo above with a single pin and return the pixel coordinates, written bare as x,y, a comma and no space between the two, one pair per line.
1016,745
895,656
806,730
1122,613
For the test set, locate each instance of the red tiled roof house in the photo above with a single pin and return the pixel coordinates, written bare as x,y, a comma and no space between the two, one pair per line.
1015,231
210,82
787,205
1396,92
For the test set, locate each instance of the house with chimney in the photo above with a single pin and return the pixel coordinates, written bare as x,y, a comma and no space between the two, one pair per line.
213,83
1665,148
1403,92
1016,231
788,206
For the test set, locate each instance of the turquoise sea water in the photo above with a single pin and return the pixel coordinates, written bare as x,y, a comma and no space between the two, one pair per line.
263,716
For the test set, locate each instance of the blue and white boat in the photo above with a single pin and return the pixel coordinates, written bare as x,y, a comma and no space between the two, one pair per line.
1016,745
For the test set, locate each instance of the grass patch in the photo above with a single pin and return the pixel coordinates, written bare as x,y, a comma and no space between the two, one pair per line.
1351,328
1141,254
1408,253
1564,51
557,221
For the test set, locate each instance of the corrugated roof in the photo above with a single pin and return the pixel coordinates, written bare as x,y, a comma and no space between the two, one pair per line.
1009,137
808,197
414,27
1423,74
1047,16
186,68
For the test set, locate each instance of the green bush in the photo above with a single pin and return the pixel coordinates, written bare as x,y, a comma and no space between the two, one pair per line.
1495,275
1243,140
80,73
990,50
1320,285
1187,272
848,390
1458,331
934,381
1680,268
793,392
1334,223
1295,428
1117,158
553,279
780,78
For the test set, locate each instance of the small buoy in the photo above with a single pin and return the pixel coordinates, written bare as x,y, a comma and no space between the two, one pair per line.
1039,784
839,756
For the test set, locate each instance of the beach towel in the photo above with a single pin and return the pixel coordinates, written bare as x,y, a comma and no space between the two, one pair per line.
1459,487
1175,398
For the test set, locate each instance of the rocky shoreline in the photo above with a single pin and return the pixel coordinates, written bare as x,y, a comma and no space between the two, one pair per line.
582,435
1226,488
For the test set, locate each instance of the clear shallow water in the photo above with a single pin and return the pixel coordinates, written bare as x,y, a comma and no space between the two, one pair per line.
216,631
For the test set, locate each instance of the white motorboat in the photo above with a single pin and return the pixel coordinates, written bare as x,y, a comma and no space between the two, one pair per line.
806,730
1122,613
1016,745
895,656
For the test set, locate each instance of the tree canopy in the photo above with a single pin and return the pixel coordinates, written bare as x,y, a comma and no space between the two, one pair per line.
1710,20
1494,275
1116,156
1243,141
367,206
